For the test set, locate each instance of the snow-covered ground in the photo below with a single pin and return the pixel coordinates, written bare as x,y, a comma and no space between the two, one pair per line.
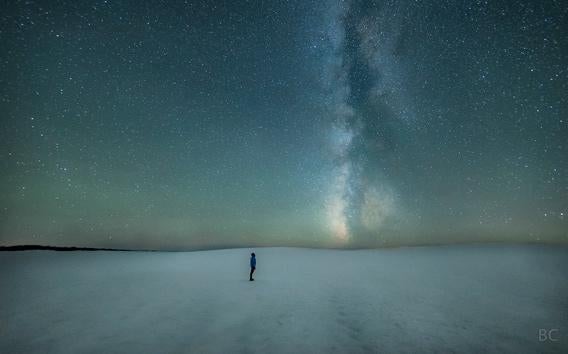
465,299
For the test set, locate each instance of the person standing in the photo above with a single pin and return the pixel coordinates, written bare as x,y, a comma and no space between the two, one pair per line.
252,265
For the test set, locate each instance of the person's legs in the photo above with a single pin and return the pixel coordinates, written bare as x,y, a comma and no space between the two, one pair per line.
251,272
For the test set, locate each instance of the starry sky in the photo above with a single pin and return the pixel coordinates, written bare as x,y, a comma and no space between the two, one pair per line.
203,124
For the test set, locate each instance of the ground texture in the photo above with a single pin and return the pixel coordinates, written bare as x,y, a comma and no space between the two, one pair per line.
463,299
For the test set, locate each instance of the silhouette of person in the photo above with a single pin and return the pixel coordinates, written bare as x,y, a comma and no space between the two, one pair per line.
252,265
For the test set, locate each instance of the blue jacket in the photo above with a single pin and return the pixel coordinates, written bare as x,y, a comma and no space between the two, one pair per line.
253,262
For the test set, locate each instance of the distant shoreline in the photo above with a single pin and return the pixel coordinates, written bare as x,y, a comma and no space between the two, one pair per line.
78,248
60,248
75,248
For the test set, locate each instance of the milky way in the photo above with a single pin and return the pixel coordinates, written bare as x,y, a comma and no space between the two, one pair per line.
363,73
303,123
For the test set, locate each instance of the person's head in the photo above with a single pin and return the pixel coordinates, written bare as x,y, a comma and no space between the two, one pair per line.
253,255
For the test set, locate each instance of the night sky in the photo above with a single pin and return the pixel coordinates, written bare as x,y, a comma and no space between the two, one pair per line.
179,125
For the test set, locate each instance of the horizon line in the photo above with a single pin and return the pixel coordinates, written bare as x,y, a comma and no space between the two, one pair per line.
32,247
